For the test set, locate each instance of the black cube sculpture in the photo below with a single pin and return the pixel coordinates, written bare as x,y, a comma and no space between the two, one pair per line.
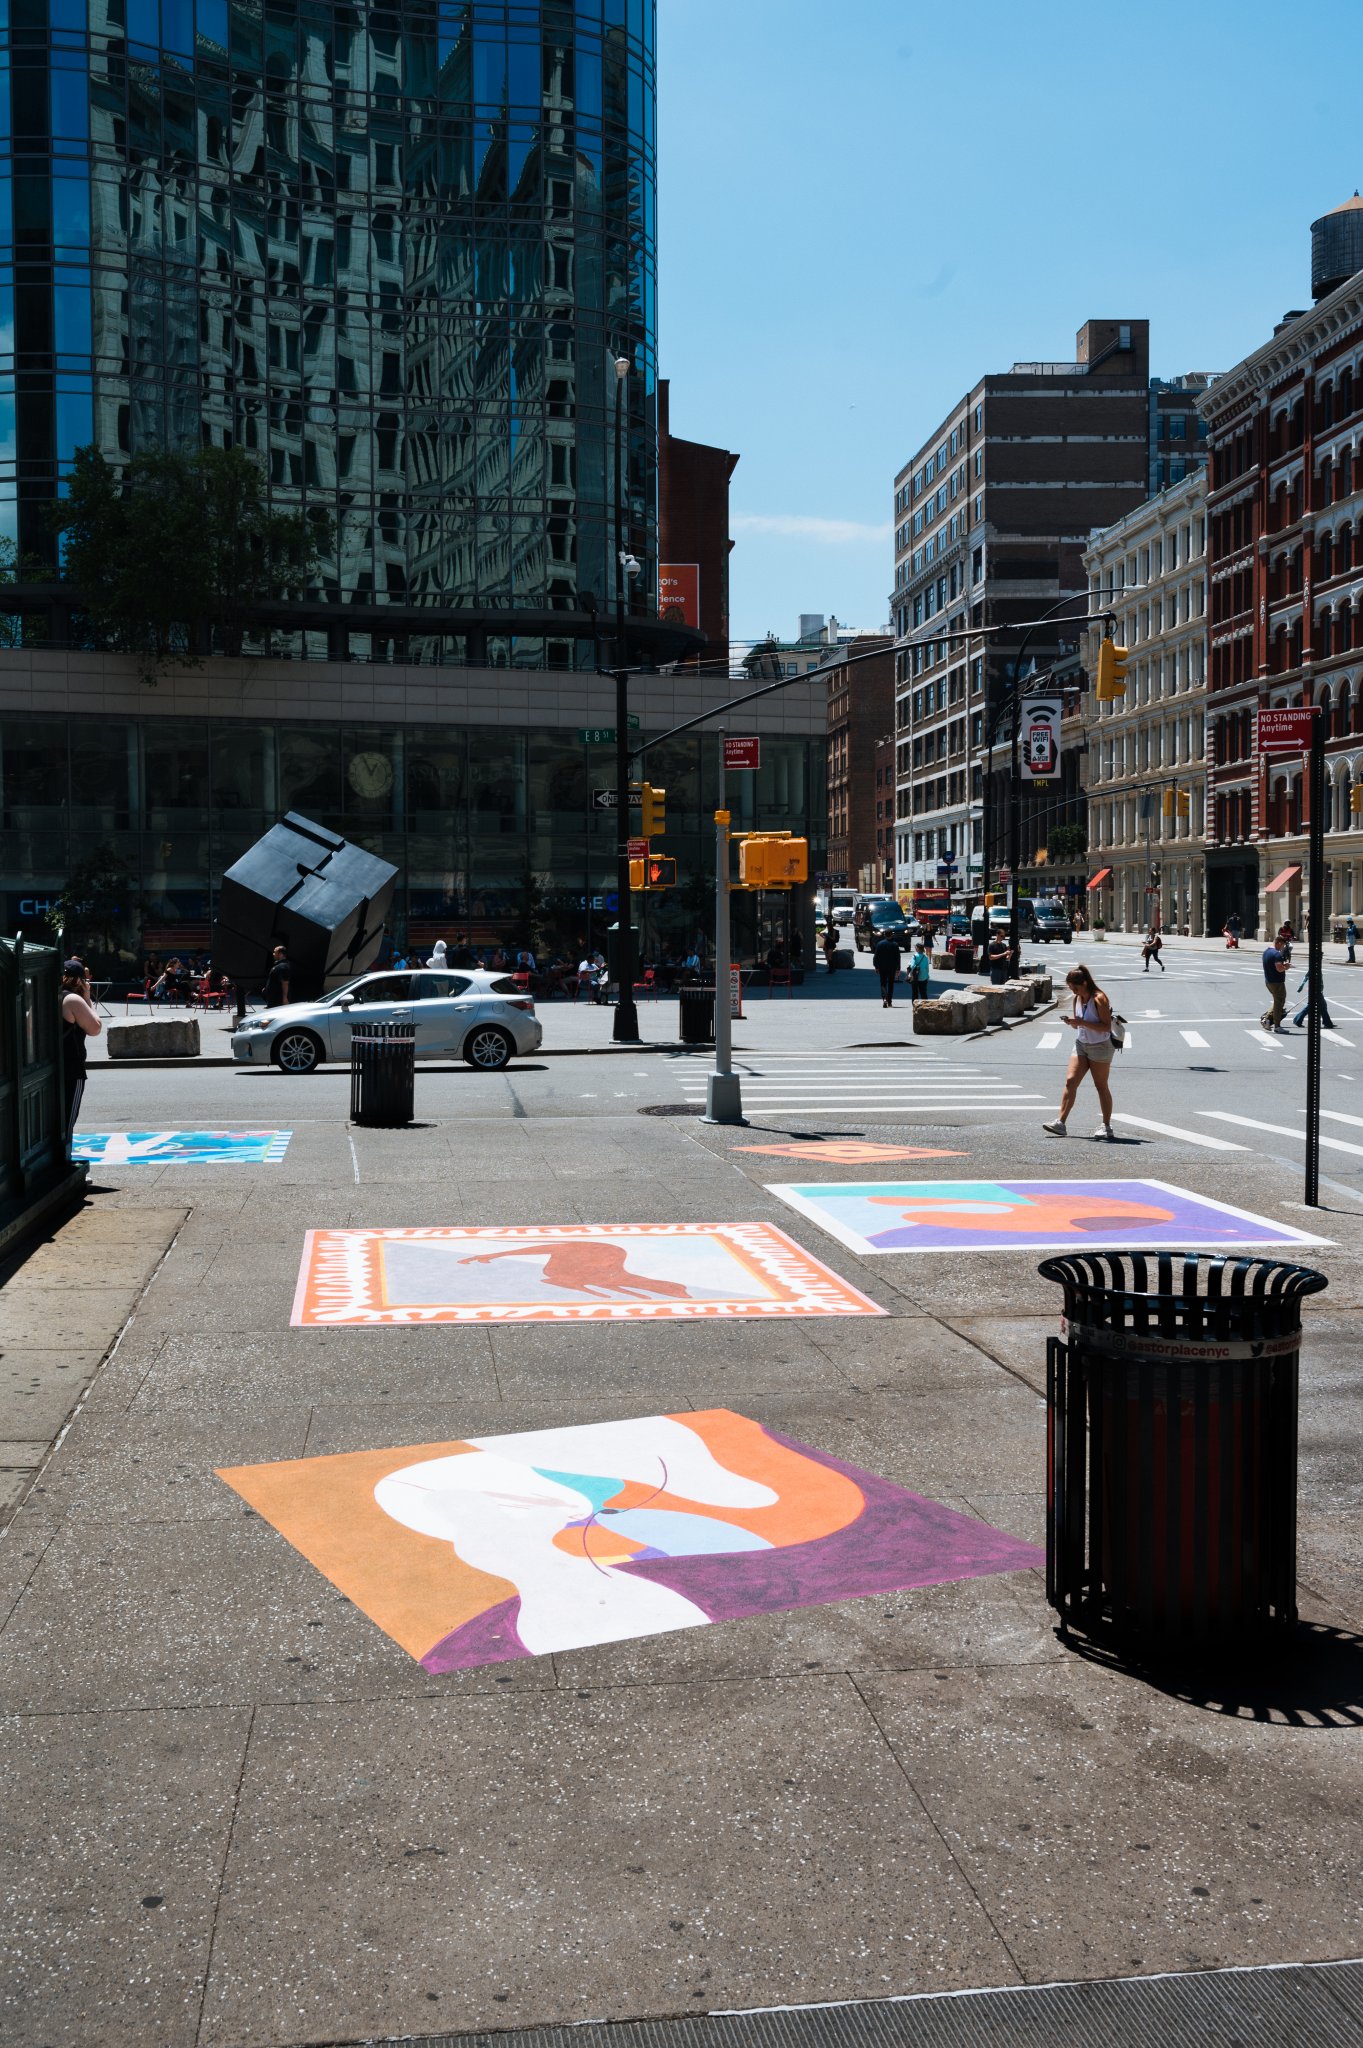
300,887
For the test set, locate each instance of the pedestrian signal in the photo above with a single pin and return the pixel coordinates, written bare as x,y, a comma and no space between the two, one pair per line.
752,862
636,874
1112,661
653,805
1185,804
1168,803
1356,798
661,872
772,860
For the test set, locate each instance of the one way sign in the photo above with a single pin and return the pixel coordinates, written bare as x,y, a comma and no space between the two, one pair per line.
603,799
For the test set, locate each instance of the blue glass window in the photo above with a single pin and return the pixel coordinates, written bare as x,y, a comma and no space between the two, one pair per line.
70,101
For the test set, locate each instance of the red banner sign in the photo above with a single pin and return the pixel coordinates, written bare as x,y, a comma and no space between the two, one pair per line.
679,593
637,849
743,753
1286,731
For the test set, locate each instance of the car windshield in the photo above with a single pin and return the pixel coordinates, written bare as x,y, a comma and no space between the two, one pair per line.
886,913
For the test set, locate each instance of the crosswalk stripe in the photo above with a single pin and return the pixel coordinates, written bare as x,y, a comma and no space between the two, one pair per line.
1145,1123
1337,1116
1250,1123
1048,1041
1338,1038
1260,1038
1194,1038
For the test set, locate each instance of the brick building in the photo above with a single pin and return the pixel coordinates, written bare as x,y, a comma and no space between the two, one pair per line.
992,516
860,714
885,811
1285,580
693,535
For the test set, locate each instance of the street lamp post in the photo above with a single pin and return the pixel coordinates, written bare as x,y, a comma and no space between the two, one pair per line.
723,1089
626,1024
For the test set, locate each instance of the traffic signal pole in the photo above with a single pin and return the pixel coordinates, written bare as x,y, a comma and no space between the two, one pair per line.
1315,956
723,1089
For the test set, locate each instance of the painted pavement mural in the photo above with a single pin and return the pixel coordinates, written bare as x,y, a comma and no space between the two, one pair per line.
498,1547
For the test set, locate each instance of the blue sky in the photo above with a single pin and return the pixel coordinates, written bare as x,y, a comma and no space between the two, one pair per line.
864,206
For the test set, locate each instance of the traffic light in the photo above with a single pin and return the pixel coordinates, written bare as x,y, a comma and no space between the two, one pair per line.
1356,798
653,806
1168,803
1185,804
657,872
1112,661
772,860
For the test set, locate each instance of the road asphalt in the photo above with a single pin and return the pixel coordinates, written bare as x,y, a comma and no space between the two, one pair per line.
238,1811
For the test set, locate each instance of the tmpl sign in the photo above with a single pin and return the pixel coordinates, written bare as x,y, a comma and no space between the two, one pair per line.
1040,751
1286,731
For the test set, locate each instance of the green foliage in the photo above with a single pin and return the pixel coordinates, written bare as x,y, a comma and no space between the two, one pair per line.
1067,842
15,629
534,922
181,550
96,907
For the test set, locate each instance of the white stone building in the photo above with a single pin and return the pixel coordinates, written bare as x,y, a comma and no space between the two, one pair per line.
1145,766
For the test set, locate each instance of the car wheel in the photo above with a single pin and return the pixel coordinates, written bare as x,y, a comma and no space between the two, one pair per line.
297,1052
1069,938
488,1048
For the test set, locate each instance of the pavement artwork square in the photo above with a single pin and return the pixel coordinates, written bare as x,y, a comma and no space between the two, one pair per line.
180,1148
554,1539
1027,1215
849,1151
565,1272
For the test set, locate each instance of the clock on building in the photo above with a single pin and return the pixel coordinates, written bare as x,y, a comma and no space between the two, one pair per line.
371,775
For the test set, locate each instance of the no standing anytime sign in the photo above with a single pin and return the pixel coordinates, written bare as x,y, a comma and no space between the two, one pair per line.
1285,731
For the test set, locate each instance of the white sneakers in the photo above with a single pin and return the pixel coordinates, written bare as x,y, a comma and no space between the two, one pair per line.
1104,1131
1057,1129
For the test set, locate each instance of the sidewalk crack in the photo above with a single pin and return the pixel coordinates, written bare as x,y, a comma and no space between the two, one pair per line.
931,1820
222,1873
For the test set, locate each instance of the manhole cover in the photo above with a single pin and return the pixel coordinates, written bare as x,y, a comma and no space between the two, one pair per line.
673,1109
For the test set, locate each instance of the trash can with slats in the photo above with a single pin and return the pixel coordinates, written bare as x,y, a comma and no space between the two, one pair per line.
1171,1411
382,1074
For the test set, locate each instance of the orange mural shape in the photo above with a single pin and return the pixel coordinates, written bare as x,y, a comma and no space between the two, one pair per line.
1062,1215
849,1151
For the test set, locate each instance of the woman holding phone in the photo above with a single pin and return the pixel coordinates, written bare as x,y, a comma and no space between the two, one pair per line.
1090,1019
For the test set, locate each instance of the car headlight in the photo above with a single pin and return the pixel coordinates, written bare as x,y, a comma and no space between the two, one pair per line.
255,1023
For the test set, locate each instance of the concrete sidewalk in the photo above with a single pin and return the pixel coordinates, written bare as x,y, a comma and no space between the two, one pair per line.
236,1812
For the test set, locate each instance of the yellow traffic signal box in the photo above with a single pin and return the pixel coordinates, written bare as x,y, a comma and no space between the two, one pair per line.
659,871
772,860
1112,661
653,808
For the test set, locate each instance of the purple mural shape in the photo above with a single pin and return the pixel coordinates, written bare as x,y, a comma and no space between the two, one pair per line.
899,1541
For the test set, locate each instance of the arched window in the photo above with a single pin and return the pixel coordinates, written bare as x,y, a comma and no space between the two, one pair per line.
1345,711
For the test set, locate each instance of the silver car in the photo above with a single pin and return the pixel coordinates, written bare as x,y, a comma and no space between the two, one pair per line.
484,1018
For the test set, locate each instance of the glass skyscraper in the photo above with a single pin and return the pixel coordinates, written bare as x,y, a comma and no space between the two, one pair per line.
389,250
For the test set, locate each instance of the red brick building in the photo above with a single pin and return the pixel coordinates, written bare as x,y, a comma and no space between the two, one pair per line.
1285,595
693,534
860,715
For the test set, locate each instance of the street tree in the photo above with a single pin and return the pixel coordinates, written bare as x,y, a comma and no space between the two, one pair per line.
178,552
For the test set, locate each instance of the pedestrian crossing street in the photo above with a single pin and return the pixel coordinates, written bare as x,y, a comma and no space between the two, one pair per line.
901,1081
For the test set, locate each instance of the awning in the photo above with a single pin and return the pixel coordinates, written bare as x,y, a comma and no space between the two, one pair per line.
1281,881
1101,876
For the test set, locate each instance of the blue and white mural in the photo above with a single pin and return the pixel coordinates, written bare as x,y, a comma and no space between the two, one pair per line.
180,1148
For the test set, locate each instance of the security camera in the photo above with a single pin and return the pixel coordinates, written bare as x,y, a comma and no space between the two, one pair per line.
631,565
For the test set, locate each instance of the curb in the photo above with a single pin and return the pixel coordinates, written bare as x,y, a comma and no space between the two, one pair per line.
1011,1023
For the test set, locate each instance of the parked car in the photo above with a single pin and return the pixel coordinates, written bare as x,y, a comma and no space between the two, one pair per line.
1051,920
877,916
477,1016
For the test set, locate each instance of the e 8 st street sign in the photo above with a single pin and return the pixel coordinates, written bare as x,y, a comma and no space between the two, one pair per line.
1287,730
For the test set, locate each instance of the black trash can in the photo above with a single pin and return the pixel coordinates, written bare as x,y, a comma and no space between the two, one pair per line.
1171,1445
382,1074
696,1024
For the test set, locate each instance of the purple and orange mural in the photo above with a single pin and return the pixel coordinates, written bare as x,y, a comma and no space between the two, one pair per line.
1027,1215
499,1547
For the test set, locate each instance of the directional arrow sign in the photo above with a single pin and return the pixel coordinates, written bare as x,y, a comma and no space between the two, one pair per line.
603,799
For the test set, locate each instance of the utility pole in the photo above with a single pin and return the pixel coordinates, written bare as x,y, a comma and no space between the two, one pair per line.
1315,956
626,1025
723,1089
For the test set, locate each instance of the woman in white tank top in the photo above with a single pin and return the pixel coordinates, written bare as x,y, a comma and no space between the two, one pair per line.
1090,1019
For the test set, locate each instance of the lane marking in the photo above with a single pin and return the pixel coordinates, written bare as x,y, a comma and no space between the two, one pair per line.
1145,1123
1262,1038
1250,1123
1337,1038
1152,1013
354,1159
1337,1116
1048,1041
1194,1038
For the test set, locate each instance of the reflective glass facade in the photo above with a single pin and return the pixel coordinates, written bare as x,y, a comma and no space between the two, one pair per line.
466,813
390,250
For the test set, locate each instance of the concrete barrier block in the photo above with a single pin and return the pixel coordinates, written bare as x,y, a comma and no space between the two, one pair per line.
972,1009
935,1017
1016,997
164,1038
991,1002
